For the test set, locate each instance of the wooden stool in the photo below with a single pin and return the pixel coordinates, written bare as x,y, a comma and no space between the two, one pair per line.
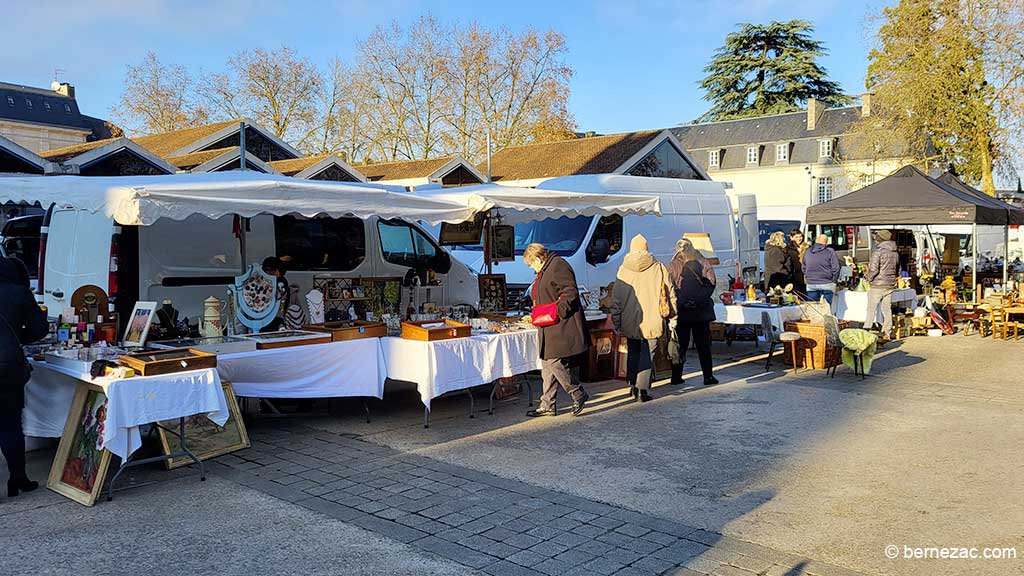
793,338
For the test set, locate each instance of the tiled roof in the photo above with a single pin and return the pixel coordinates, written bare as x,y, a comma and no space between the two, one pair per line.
402,170
68,152
595,155
14,106
194,159
296,165
167,143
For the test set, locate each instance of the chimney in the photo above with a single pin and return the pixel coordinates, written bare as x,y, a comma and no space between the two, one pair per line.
814,109
865,105
63,88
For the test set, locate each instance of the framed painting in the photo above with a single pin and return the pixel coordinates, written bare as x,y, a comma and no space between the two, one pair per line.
205,439
493,292
138,324
80,465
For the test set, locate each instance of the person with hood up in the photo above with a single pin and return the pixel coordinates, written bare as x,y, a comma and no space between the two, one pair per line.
642,301
696,310
21,322
821,270
778,266
883,270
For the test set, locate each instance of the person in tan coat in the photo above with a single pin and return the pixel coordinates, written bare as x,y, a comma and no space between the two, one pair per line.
640,286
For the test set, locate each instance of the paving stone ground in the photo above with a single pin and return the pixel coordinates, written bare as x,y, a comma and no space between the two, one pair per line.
493,524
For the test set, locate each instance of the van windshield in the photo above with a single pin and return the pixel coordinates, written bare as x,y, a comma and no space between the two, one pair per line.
563,236
765,228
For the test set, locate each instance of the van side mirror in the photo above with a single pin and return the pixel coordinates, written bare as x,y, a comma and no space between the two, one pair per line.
598,252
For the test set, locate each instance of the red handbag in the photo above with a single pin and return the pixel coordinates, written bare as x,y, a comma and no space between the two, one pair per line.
543,315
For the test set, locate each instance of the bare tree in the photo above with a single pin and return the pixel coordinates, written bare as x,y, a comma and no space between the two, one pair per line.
158,97
280,90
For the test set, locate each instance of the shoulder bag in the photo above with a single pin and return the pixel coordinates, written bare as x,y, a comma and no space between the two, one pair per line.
665,304
25,365
542,315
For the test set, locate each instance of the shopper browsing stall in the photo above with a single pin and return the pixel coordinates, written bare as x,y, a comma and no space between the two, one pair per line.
778,266
21,322
794,250
563,335
642,300
273,266
695,310
882,272
821,270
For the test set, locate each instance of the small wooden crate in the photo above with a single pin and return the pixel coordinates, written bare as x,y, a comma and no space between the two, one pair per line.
350,329
813,351
502,316
287,339
168,361
451,329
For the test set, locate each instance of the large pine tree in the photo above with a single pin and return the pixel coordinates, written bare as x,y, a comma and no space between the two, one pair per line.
767,69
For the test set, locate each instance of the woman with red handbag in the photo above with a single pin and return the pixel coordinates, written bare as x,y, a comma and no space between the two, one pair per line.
558,315
642,301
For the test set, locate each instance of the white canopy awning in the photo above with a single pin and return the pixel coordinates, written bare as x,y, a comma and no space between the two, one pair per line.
142,200
525,204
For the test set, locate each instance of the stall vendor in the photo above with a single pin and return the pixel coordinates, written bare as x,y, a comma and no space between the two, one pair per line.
273,266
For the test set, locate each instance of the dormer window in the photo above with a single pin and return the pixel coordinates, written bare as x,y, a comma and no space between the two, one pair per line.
28,103
47,106
782,153
67,108
825,149
753,156
713,159
10,100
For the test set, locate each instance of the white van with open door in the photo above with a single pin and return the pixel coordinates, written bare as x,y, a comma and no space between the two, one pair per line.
189,260
595,246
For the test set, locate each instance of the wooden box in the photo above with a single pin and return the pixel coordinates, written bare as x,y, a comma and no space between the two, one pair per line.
600,363
813,351
271,340
502,316
451,329
350,329
168,361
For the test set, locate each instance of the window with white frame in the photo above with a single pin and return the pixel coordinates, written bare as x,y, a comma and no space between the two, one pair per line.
752,155
825,187
866,180
825,148
782,152
713,159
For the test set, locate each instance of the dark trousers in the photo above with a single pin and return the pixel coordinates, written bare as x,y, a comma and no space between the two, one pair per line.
640,362
12,443
702,340
555,371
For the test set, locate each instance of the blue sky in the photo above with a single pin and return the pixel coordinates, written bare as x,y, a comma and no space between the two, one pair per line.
637,64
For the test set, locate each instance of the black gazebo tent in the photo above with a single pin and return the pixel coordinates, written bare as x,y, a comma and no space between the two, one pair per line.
910,197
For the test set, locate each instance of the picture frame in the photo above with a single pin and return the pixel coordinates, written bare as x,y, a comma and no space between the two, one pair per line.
205,438
461,234
80,466
503,243
493,292
138,324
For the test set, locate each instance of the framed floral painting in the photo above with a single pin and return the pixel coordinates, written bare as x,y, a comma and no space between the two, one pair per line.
80,466
205,439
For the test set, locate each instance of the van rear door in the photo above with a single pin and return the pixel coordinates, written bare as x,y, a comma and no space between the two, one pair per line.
77,254
748,234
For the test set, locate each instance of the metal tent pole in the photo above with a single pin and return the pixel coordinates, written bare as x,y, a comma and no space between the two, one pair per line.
974,264
1006,253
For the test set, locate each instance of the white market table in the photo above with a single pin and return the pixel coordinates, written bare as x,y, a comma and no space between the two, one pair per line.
444,366
735,314
130,403
852,305
332,370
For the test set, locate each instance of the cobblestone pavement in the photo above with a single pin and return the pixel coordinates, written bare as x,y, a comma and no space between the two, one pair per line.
489,523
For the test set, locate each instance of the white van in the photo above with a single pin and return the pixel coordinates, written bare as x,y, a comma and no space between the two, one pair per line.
595,247
189,260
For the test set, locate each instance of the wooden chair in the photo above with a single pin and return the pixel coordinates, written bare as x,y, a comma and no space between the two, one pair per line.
774,339
1001,324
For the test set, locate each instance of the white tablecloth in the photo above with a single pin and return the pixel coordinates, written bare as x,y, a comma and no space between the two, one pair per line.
852,305
459,363
752,315
336,369
131,402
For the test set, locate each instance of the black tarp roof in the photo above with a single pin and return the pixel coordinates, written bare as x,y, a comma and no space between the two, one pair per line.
909,196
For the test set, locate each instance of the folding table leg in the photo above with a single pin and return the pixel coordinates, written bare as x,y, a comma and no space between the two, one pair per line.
426,417
366,409
471,404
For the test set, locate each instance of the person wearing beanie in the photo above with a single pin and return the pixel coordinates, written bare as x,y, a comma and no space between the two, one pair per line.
642,286
883,270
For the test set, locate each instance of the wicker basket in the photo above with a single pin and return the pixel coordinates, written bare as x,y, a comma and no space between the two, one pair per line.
812,351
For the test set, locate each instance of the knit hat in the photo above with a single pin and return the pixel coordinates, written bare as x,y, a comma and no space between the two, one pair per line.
883,235
638,244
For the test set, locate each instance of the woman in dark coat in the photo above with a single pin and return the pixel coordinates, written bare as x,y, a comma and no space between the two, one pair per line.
562,342
778,266
695,308
21,322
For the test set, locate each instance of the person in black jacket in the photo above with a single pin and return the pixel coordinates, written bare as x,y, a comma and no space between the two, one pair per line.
563,342
778,267
21,322
794,251
695,308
